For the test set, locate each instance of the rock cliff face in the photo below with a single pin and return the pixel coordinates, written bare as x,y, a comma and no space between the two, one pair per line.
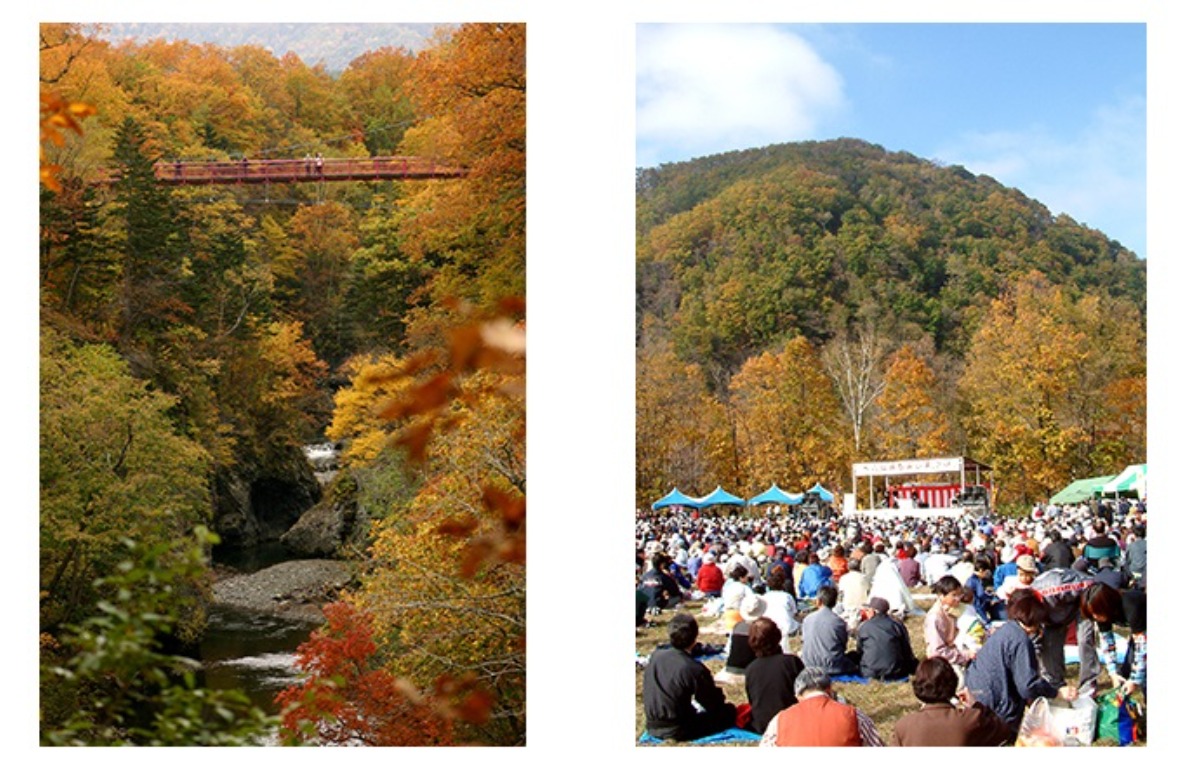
256,507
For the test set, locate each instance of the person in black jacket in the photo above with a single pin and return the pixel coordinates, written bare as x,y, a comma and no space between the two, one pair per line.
884,644
673,679
662,588
1058,553
769,678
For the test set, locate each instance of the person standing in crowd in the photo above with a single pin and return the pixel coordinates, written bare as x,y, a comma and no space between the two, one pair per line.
770,676
819,718
883,644
824,635
939,722
1102,606
1004,674
674,680
1060,591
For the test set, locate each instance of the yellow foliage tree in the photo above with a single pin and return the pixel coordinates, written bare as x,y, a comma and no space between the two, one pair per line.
1044,384
790,426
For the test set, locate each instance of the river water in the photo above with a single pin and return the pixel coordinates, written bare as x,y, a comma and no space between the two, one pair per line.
250,651
254,653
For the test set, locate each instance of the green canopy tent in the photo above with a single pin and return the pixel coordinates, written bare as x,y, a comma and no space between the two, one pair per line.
1132,480
1080,490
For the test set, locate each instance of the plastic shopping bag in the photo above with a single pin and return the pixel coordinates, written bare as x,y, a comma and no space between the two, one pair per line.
1075,722
1037,726
1120,718
1049,723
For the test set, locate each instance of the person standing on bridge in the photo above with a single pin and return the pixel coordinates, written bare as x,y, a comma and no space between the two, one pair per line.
320,165
308,164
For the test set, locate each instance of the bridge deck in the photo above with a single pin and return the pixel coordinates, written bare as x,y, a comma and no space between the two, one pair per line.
297,170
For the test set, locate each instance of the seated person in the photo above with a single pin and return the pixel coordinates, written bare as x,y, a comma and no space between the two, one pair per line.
986,605
1027,571
855,589
739,654
709,579
940,722
673,680
735,589
781,607
660,585
769,678
825,636
972,630
815,577
819,718
884,648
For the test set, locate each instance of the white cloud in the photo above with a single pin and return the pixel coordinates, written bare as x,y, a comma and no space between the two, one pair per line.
705,89
1097,176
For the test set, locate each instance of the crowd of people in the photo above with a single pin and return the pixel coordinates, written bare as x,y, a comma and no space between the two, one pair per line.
805,601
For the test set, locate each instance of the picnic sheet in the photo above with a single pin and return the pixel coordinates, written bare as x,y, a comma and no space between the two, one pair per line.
720,738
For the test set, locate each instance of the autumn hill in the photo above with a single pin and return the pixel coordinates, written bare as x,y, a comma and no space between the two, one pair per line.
832,301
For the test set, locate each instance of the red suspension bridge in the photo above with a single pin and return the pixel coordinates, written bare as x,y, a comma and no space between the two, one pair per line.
296,170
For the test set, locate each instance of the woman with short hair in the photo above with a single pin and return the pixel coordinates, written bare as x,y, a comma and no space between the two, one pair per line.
940,722
770,676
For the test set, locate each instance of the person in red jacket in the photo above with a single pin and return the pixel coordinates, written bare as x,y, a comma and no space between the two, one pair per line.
819,718
709,579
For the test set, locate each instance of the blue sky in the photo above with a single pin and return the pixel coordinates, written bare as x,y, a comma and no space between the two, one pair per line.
1056,110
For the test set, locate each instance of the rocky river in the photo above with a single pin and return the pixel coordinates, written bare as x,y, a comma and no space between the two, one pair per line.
266,602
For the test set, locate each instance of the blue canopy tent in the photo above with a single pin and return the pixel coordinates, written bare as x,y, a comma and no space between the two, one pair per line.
675,498
820,491
720,496
774,495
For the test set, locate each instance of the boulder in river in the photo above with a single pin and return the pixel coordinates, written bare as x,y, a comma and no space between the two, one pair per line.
319,531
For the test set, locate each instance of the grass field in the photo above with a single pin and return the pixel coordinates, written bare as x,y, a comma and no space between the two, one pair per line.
884,703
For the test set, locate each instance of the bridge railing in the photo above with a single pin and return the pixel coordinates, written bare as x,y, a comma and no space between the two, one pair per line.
296,170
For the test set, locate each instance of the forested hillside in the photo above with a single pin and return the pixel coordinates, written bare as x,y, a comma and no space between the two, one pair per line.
804,306
194,338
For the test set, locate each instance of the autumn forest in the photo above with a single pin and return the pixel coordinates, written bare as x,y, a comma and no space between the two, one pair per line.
195,338
802,307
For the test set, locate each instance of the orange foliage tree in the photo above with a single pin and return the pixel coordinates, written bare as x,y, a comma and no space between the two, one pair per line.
346,701
910,422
